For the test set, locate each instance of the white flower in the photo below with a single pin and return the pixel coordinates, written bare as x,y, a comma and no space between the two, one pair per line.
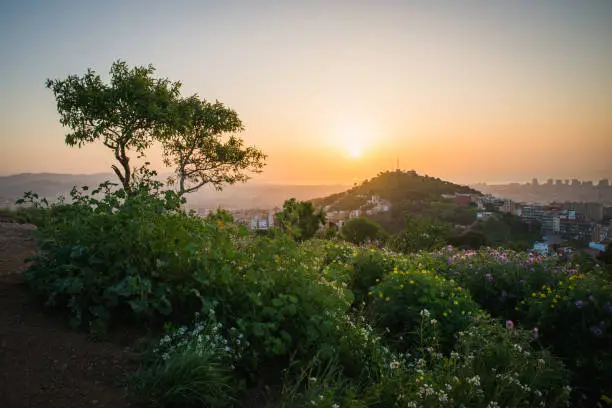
312,379
433,321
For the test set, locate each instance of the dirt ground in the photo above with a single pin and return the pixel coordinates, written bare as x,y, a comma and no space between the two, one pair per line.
42,362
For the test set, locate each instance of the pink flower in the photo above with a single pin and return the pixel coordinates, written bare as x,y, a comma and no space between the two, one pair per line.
509,324
535,332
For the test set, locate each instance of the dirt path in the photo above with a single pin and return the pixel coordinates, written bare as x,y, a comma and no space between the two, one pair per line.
42,362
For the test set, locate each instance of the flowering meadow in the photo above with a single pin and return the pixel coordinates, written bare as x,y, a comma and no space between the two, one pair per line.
239,319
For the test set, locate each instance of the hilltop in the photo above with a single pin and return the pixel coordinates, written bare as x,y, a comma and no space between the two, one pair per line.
405,193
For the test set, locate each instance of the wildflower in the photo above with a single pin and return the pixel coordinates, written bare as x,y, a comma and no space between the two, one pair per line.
536,332
509,324
433,321
579,304
313,379
394,365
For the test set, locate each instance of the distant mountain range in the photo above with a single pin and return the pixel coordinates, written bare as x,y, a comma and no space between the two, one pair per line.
249,195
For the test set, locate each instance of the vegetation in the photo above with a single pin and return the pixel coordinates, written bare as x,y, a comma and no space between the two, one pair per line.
135,110
199,153
421,234
300,219
360,230
324,323
364,323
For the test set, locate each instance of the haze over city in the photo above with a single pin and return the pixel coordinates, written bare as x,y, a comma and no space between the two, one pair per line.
334,92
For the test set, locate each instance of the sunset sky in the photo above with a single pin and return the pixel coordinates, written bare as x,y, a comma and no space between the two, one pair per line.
335,91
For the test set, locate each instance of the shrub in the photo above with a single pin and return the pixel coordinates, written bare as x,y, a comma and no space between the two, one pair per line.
399,298
129,254
491,367
285,299
361,230
191,367
575,319
368,268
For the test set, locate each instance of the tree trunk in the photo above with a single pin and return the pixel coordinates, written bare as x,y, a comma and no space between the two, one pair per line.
125,176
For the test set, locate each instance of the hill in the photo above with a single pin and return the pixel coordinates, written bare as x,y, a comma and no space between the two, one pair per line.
406,193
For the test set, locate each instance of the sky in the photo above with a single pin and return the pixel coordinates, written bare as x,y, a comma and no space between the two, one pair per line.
336,91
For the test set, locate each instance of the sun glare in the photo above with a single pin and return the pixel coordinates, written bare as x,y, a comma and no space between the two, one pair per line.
352,140
355,151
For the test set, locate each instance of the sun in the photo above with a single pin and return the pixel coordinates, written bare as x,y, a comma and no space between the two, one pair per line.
355,151
352,140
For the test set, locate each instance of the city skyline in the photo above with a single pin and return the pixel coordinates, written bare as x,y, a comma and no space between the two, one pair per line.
481,92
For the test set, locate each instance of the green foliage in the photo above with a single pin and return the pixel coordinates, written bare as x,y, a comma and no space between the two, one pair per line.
574,318
300,219
316,307
201,153
125,114
490,367
360,230
399,299
368,268
509,231
420,234
101,257
468,240
191,366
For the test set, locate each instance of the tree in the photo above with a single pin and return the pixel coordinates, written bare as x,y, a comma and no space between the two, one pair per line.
300,219
360,230
469,239
126,114
421,234
196,146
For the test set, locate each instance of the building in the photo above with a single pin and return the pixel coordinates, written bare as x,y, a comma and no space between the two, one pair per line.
594,212
508,207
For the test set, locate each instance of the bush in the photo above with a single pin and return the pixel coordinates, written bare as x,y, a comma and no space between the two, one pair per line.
191,367
491,367
368,268
574,318
361,230
397,302
130,257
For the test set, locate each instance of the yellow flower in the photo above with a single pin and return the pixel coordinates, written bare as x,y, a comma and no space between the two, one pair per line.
401,286
370,293
411,282
533,294
387,298
380,295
